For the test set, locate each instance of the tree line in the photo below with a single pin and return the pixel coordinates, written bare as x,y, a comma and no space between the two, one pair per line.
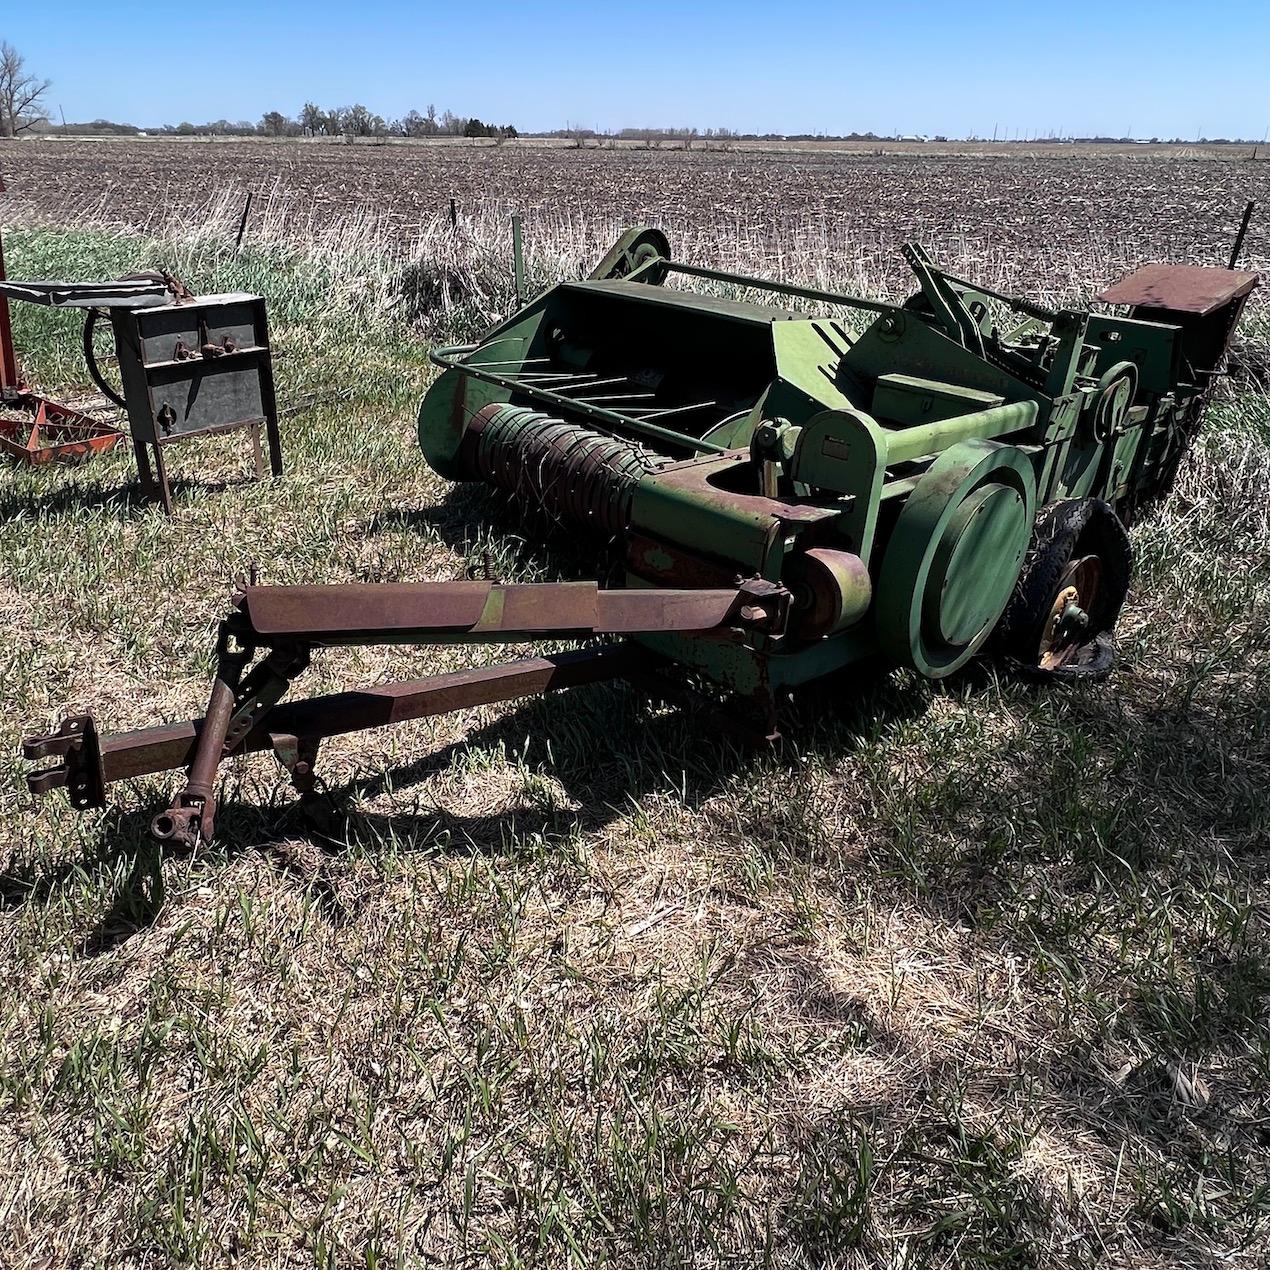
314,121
21,94
359,121
23,110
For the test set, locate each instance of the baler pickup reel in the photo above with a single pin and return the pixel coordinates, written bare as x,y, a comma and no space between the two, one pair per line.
267,641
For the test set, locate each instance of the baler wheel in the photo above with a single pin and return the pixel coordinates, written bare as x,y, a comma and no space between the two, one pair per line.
1060,621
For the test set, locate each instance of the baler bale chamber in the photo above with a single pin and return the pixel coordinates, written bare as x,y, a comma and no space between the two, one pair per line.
786,494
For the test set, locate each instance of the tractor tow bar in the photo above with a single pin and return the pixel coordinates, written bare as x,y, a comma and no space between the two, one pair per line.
267,641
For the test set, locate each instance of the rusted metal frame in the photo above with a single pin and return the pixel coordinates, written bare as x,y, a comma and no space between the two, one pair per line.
193,814
234,708
53,433
451,359
448,612
291,620
94,436
89,762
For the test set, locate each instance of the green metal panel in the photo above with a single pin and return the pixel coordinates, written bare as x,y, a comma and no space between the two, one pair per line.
844,451
954,555
884,445
909,399
1154,347
1067,336
457,396
807,355
903,342
683,504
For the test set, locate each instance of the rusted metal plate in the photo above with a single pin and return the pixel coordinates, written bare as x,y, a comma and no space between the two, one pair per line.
320,610
1195,289
666,563
661,609
483,610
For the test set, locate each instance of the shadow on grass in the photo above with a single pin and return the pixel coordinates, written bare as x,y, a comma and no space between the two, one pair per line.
119,501
607,745
485,525
1100,793
1044,845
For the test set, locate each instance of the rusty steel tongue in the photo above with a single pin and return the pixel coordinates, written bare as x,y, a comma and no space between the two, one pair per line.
444,611
290,621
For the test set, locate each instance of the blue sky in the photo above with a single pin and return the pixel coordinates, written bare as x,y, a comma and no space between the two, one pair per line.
1167,68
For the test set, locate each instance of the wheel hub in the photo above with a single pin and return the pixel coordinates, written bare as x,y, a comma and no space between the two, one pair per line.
1067,624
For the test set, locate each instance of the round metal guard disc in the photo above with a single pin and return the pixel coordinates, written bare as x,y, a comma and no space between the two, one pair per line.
962,596
955,555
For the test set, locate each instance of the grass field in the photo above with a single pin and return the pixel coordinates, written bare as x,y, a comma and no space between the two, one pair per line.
962,975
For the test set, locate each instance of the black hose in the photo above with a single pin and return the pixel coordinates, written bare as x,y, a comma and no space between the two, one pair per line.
90,323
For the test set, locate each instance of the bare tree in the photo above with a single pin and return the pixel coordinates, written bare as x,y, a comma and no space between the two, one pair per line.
276,124
414,125
20,93
312,119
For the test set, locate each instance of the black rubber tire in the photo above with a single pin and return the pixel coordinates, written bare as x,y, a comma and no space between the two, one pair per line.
1064,532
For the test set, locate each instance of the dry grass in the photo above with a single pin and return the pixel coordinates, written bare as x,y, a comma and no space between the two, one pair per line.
962,975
